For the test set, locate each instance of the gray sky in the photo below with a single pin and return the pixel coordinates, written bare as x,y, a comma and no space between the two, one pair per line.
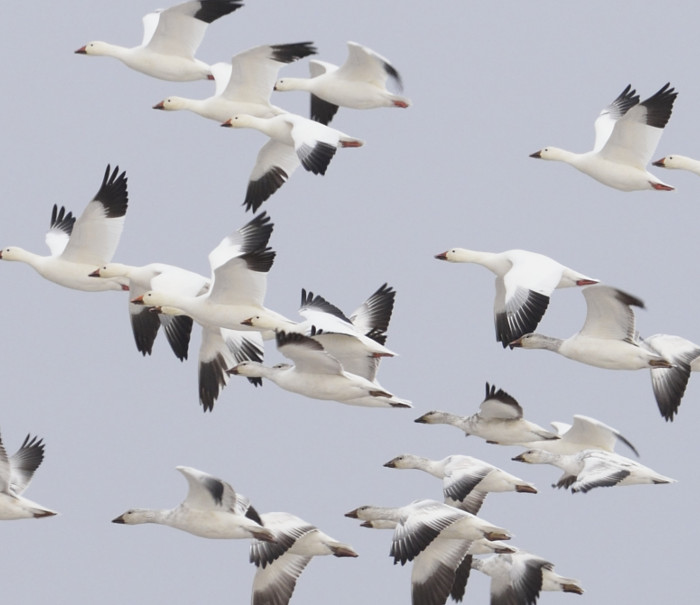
490,85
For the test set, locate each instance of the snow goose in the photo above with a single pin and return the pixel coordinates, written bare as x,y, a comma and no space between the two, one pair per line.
144,323
594,468
319,375
669,384
422,521
439,564
279,564
368,324
679,162
239,279
16,472
465,480
212,509
294,140
499,420
524,282
626,135
170,40
360,83
437,538
245,84
585,433
78,245
608,338
520,576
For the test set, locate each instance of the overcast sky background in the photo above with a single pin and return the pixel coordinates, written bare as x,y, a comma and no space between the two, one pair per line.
490,84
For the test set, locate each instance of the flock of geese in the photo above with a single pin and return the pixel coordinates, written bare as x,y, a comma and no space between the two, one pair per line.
336,355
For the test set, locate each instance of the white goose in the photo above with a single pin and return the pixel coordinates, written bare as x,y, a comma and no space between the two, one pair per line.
588,469
465,480
422,521
442,568
319,375
368,324
608,338
294,141
360,83
679,162
669,383
524,282
212,509
243,85
279,564
239,279
499,420
436,537
626,135
16,472
520,576
170,40
144,323
78,245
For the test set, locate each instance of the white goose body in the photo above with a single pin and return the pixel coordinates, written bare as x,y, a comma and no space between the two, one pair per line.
524,282
627,133
78,245
466,480
318,375
608,338
243,85
360,83
499,420
170,39
212,509
588,469
422,521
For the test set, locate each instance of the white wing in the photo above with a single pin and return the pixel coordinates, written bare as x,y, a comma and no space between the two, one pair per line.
97,230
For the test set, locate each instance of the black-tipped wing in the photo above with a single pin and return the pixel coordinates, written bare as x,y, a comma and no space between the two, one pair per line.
261,189
659,106
605,122
96,232
24,462
322,111
669,384
521,314
373,316
413,534
636,134
458,484
178,330
499,404
60,230
211,10
274,164
144,326
315,158
220,350
313,303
